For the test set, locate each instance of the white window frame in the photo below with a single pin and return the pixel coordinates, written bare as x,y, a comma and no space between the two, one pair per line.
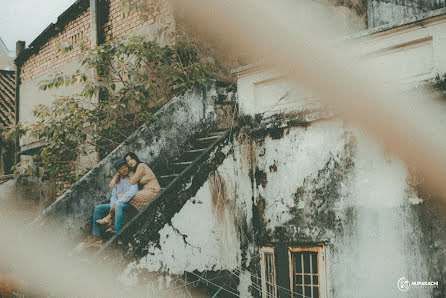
268,250
320,249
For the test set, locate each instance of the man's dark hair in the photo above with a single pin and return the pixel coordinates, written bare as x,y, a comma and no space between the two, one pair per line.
119,163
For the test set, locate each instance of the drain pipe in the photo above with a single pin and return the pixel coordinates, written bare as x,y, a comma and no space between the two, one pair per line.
95,25
20,47
96,39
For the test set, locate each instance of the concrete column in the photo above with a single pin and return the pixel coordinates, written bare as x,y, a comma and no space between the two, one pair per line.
94,24
94,34
20,47
95,37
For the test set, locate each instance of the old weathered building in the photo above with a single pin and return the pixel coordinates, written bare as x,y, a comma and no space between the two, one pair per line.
6,57
87,23
279,198
7,118
264,192
7,98
7,106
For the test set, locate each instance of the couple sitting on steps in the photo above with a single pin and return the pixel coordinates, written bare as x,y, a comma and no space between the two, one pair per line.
130,172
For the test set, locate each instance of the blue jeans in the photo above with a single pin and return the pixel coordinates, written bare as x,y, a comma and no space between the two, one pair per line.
102,210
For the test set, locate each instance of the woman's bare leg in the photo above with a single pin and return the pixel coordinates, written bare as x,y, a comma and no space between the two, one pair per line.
111,227
108,219
111,224
104,220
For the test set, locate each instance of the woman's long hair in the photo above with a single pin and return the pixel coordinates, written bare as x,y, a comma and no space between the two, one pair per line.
133,156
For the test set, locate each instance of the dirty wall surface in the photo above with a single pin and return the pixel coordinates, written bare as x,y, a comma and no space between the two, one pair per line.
386,11
314,183
155,143
45,57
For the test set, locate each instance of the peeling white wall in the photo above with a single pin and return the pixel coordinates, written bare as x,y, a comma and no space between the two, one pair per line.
321,182
197,238
410,54
369,253
298,155
383,12
367,239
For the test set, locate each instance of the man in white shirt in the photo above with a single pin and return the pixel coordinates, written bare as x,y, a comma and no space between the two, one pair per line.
122,192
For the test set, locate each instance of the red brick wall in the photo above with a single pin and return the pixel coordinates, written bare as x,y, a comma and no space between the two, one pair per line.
49,57
120,24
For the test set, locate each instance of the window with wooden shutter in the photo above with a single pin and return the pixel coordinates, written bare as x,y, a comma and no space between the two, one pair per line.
268,267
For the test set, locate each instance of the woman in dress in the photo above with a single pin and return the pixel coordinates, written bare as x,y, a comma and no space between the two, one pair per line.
148,184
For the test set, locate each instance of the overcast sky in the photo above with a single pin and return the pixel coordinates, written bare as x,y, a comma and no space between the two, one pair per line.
26,19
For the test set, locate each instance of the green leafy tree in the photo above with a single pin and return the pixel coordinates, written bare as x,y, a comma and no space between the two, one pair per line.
133,78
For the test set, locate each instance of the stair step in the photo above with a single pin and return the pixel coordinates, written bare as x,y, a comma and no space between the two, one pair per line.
218,133
169,176
196,150
183,163
188,157
192,150
207,139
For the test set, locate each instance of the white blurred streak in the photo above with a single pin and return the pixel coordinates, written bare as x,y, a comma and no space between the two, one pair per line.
301,39
46,268
296,38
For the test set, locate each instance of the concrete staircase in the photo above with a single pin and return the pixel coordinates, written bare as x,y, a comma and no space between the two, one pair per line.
180,180
197,146
176,146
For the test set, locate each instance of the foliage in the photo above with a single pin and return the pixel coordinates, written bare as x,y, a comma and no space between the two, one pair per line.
7,152
64,47
145,7
134,77
25,167
207,46
440,82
